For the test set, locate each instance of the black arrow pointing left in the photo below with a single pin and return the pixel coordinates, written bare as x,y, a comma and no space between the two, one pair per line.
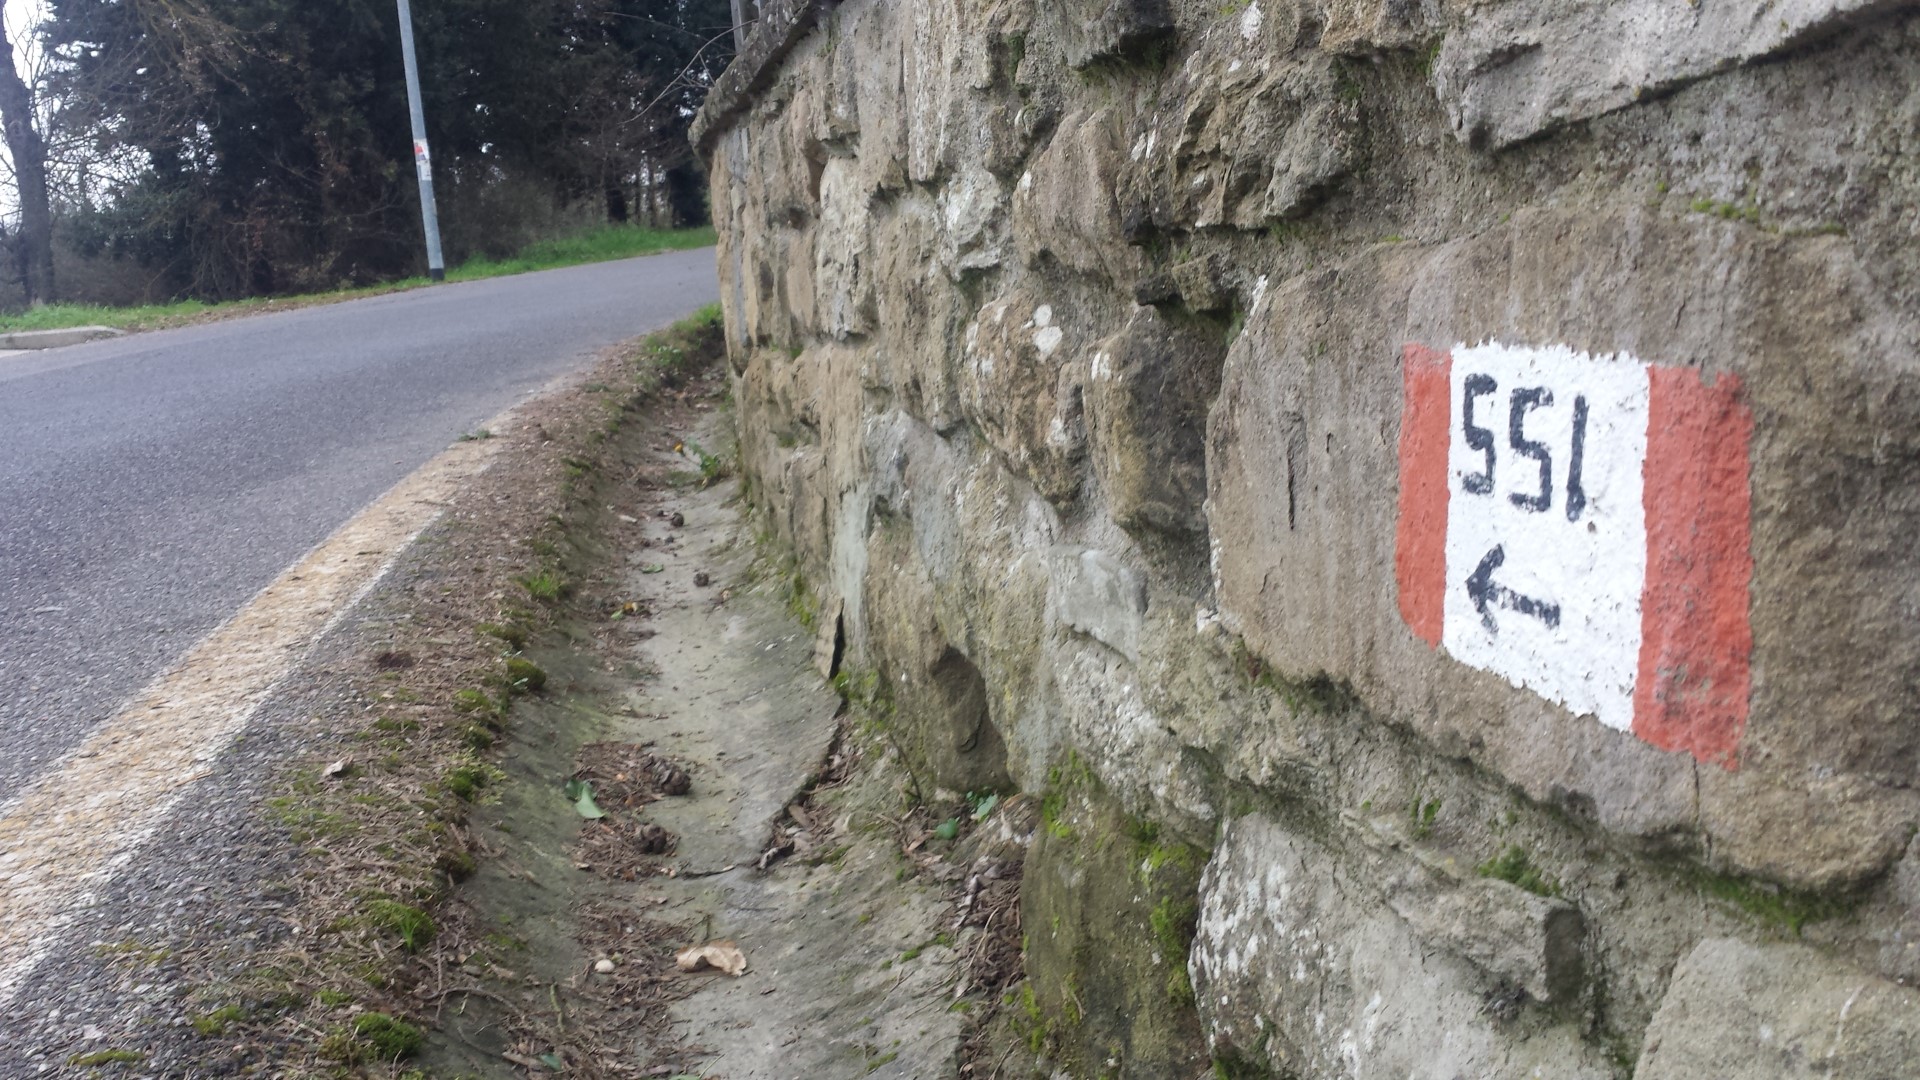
1486,594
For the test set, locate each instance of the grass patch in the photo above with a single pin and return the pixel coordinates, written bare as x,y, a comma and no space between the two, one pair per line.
590,246
593,245
544,586
414,928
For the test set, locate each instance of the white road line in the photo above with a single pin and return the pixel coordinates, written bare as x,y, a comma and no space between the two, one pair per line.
63,838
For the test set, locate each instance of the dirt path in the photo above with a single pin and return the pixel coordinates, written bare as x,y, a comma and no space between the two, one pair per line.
849,972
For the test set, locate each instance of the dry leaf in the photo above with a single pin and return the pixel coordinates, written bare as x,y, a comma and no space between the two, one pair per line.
718,955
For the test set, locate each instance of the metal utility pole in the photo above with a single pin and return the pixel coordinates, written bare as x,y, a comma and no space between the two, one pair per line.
422,157
744,14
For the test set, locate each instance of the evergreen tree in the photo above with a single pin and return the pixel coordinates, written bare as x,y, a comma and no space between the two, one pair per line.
271,136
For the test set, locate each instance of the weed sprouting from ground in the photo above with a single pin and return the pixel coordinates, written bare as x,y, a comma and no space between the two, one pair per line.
414,927
544,586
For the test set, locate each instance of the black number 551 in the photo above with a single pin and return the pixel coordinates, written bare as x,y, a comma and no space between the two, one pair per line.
1520,402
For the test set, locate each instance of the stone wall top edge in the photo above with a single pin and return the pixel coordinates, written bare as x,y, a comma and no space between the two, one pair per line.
781,26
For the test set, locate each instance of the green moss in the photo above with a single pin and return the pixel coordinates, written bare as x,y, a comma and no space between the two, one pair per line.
524,676
475,701
1783,909
1074,1014
456,865
1234,1067
1032,1023
1515,867
1727,211
389,1039
1235,325
106,1057
801,604
216,1022
1062,779
1421,815
464,782
1053,808
1174,923
513,635
1318,693
306,823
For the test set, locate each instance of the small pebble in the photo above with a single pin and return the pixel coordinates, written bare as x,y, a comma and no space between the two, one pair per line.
604,967
701,580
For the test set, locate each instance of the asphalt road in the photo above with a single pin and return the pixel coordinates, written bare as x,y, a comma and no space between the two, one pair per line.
151,484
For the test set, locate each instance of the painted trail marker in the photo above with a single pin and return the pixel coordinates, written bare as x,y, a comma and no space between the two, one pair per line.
1579,525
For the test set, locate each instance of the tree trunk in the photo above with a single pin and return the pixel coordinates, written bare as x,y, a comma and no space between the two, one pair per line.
30,169
686,196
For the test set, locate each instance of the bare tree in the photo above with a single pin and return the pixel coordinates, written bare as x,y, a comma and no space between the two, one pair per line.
29,152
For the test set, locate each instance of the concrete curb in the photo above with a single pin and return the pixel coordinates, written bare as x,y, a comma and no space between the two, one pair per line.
54,339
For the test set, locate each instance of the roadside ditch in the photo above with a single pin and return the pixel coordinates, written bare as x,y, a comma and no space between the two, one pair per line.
580,791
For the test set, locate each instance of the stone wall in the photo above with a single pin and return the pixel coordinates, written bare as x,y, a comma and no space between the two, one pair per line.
1111,368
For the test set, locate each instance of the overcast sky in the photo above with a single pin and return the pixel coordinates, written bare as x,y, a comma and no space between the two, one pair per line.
22,17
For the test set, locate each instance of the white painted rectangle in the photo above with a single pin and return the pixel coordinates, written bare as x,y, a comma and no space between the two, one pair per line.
1585,567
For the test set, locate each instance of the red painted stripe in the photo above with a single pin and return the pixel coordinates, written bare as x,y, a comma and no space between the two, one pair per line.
1420,553
1696,643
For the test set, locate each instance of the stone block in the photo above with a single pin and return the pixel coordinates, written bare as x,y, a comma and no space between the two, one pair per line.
1238,140
1101,597
1737,1011
1307,444
1021,382
1067,206
1525,67
1148,391
973,218
942,719
1301,969
1532,942
1107,917
843,257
